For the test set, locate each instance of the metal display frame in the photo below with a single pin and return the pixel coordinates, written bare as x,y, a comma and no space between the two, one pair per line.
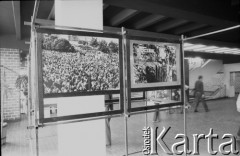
124,100
126,113
87,34
42,119
164,87
148,40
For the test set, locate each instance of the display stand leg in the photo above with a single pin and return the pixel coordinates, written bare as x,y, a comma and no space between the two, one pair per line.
156,116
146,117
183,94
126,135
125,88
37,141
108,128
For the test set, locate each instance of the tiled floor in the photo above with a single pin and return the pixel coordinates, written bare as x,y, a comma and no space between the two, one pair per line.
17,142
223,118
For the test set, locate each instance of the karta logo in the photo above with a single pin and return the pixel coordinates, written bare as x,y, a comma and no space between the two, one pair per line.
151,142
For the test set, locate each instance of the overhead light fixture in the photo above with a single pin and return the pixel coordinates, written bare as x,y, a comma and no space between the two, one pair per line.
187,44
194,47
205,48
233,52
221,49
210,49
230,49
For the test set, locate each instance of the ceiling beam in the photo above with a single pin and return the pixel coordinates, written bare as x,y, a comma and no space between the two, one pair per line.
41,22
163,8
169,25
122,16
51,15
17,18
188,28
140,33
147,21
150,34
204,31
105,6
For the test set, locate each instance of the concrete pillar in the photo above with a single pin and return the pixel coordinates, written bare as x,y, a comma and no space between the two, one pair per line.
84,138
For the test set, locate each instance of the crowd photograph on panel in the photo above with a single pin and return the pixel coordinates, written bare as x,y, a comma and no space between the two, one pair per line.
154,63
79,63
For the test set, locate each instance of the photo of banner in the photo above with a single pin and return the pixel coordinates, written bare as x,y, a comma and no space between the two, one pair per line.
84,63
154,64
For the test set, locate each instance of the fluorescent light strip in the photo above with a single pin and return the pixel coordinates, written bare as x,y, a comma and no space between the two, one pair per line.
229,52
187,44
194,47
205,48
232,49
220,49
227,49
210,49
236,51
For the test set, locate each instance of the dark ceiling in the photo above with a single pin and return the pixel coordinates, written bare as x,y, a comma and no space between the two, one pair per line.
175,17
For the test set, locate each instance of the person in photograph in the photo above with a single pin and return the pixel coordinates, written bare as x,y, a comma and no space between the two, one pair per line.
85,69
150,76
199,94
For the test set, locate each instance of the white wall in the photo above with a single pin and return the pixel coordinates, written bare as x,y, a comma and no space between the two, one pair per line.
227,69
209,72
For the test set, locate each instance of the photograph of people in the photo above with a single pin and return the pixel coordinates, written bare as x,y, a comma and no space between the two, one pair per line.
154,63
79,63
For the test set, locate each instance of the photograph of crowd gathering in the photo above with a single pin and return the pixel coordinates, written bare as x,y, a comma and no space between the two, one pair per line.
79,63
153,63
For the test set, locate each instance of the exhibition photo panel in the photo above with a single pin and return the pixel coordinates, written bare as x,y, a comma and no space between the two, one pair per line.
154,64
155,68
77,67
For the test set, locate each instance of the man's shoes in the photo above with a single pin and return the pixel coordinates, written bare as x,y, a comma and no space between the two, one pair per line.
195,111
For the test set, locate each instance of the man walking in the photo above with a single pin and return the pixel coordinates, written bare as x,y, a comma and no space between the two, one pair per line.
199,94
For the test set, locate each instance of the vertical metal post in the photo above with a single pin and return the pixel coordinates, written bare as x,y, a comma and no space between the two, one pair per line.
125,88
146,117
1,105
34,73
29,92
108,128
37,145
29,106
126,134
183,92
36,100
2,96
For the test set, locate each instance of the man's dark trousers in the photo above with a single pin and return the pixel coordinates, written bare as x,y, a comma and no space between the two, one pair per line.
198,99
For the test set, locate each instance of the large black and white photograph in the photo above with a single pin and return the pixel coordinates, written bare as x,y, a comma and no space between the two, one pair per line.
79,63
154,63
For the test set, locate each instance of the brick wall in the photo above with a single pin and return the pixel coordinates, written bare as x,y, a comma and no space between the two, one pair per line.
11,105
